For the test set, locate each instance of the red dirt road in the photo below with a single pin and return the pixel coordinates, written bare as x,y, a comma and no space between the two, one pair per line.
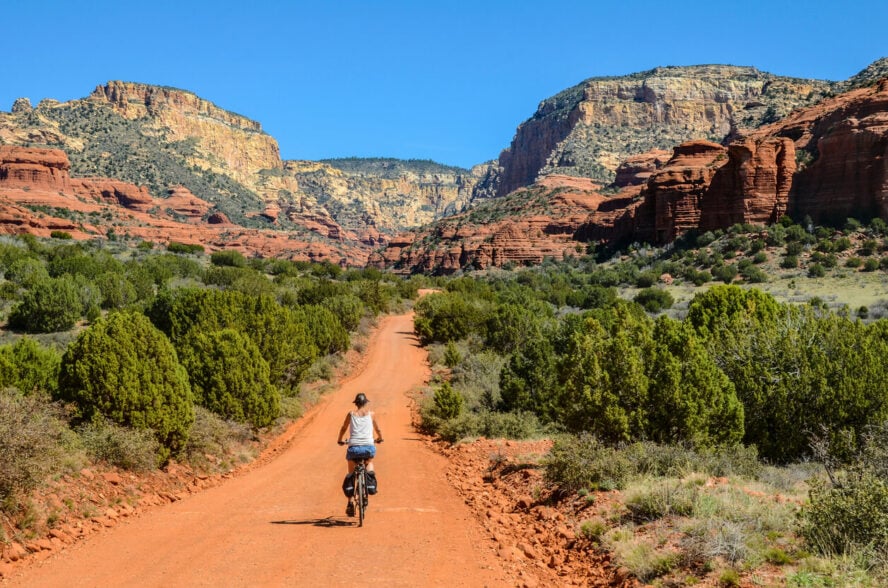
284,523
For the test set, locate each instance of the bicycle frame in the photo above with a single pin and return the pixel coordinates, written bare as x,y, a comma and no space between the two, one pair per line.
360,494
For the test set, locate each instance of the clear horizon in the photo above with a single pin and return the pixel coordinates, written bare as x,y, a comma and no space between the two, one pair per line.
437,81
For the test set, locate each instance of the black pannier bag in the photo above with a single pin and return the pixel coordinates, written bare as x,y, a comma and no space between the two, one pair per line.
348,485
371,483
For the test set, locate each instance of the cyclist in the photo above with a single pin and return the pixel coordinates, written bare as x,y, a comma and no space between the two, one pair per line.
360,425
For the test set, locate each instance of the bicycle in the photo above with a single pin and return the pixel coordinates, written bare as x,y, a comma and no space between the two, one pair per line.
360,497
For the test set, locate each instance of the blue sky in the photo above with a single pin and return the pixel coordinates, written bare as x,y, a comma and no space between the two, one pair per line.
441,80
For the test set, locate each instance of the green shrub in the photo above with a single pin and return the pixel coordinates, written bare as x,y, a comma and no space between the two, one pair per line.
658,499
347,307
282,334
116,290
585,462
725,273
123,447
853,262
688,397
492,425
848,518
228,258
816,271
871,264
32,438
452,356
325,329
448,402
60,235
794,248
754,275
654,299
216,444
593,529
50,305
229,376
789,262
646,279
729,578
176,247
29,367
841,244
446,317
125,370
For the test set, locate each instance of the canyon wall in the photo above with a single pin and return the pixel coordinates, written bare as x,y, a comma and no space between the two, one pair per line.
590,129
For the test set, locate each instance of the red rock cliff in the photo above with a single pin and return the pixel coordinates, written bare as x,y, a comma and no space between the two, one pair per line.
34,168
847,136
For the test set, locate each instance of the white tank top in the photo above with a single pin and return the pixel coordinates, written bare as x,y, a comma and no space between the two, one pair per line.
361,430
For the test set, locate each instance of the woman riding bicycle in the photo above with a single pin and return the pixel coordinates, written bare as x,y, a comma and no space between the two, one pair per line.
360,425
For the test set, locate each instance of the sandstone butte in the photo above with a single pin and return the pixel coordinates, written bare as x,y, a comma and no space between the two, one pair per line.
38,196
828,161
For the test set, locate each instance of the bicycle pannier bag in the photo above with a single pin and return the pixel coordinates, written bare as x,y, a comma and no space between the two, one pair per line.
348,485
371,483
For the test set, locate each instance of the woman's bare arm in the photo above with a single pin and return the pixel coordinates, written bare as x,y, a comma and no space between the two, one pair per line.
344,429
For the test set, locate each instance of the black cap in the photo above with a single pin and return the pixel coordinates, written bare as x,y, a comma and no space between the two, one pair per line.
361,400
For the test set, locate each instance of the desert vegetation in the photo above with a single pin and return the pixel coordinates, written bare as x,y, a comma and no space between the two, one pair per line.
744,431
732,401
135,357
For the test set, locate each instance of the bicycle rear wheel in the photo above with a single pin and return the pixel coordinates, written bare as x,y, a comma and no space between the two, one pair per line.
360,493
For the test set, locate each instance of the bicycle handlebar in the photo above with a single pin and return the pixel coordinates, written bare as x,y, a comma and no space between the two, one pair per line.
346,441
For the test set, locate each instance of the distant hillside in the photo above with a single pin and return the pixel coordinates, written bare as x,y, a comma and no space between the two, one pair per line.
389,168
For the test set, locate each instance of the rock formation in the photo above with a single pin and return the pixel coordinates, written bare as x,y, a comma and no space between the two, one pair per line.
34,181
166,137
846,140
828,161
226,143
588,130
33,168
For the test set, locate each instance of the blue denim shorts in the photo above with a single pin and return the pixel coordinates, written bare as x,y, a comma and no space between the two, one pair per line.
356,452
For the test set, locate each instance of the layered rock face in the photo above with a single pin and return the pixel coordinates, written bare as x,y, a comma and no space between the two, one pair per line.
678,189
168,137
829,161
588,130
34,168
754,185
492,235
847,138
32,180
395,195
226,143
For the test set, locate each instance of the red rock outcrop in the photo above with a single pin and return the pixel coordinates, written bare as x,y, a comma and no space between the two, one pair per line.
704,186
637,170
678,189
114,192
34,168
848,138
589,129
182,203
489,236
39,177
753,187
